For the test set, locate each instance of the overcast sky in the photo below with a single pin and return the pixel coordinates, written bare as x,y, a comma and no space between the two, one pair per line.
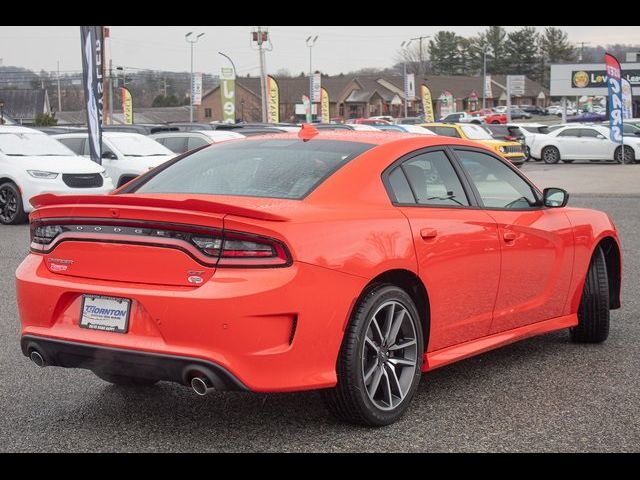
338,49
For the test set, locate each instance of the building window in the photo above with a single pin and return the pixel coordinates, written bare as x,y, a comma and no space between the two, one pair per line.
207,113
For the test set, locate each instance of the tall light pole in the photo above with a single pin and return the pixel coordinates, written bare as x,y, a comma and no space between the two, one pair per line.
484,75
405,46
423,37
260,37
311,41
192,40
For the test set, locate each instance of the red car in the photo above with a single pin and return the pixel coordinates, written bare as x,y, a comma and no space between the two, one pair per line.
344,261
491,117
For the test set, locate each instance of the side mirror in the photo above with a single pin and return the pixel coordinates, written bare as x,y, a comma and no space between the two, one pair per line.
109,156
555,197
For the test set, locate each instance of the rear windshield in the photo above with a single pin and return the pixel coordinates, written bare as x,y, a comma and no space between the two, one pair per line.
288,169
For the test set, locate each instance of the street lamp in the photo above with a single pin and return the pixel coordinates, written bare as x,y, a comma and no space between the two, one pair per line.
192,40
311,41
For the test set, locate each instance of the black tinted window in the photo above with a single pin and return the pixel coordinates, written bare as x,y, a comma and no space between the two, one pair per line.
445,131
195,142
175,144
74,144
287,168
589,132
498,185
400,187
570,132
434,181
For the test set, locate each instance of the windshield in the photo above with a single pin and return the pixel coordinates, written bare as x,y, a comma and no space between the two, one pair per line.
31,145
287,169
475,132
139,146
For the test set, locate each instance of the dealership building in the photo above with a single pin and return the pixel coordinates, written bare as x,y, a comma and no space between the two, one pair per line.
589,79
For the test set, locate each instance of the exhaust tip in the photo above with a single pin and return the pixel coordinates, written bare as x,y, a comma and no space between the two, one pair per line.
36,358
200,385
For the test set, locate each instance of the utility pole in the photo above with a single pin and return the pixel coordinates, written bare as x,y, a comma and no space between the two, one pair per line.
310,43
405,46
111,91
59,96
260,37
581,54
192,41
421,67
484,76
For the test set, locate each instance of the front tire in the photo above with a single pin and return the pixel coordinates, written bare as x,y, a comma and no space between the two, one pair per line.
11,207
593,314
380,362
550,155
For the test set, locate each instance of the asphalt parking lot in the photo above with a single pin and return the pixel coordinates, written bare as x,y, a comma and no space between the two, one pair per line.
543,394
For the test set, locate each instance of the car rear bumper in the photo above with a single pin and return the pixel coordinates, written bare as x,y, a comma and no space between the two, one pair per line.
60,353
271,329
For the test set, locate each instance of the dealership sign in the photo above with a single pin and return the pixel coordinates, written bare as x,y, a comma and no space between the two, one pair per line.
595,79
591,79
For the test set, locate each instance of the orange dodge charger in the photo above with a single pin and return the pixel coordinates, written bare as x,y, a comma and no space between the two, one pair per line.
350,262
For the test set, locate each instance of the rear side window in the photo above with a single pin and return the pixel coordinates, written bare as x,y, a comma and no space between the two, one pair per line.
445,131
195,142
74,144
288,169
175,144
571,132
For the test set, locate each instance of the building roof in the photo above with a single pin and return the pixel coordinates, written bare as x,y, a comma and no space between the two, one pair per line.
24,104
141,115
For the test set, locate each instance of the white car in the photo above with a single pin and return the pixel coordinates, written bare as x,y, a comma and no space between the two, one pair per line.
463,117
31,163
181,142
530,131
124,155
583,142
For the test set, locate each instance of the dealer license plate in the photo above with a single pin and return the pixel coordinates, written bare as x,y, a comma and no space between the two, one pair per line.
110,314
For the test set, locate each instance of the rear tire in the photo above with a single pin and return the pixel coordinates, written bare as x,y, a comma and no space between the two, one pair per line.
380,362
125,380
550,155
11,207
593,314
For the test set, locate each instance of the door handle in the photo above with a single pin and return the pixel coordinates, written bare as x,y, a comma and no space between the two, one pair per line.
509,236
428,233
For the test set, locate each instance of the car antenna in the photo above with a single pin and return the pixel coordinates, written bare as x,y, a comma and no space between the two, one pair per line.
307,132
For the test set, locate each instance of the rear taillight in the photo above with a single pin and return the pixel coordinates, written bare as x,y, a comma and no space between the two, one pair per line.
237,249
217,248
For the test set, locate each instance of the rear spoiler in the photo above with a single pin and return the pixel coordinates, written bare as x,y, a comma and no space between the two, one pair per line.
49,199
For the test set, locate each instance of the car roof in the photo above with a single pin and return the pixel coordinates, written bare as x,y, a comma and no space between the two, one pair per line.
18,129
107,134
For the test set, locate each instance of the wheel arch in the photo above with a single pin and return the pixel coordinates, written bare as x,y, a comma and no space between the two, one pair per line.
613,261
410,283
5,179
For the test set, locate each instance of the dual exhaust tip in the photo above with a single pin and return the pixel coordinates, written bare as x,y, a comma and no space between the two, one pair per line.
200,383
37,358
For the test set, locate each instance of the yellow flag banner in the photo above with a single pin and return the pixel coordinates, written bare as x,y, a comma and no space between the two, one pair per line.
427,104
273,110
127,105
324,106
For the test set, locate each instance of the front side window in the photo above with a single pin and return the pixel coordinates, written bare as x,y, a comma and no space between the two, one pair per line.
428,179
75,144
288,169
498,185
570,132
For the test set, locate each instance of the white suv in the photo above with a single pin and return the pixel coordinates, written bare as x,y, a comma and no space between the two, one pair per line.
32,163
124,155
